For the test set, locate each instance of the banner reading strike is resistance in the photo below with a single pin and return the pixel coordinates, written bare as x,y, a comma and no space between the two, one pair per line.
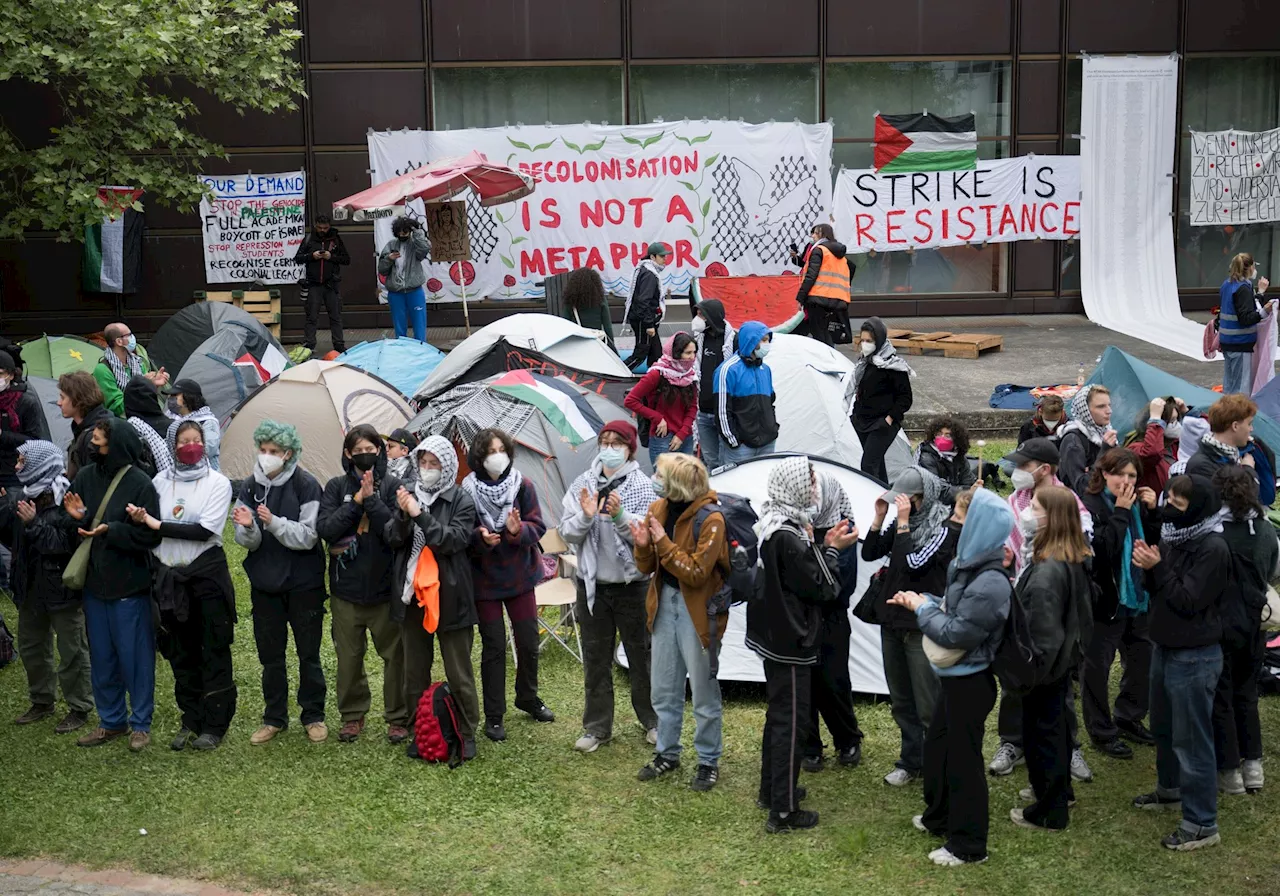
1235,177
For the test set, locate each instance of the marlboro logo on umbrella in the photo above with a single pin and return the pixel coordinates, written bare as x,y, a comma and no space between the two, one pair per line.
924,142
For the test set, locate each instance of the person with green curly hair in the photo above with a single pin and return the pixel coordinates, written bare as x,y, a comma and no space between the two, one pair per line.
275,519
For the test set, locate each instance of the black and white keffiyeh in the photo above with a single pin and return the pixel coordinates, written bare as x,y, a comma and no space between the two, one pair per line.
791,499
44,469
442,449
159,447
833,502
635,490
652,267
124,370
1081,420
494,500
1172,536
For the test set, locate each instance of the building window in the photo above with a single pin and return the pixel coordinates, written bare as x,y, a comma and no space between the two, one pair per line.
493,97
1071,116
856,91
751,92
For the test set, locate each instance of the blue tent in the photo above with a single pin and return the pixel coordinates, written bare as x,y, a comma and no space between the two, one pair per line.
1134,383
403,362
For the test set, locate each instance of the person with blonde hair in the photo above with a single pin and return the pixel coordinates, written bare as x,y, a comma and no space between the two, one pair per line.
682,544
1239,314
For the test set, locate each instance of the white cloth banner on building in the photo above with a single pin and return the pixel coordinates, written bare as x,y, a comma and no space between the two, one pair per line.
253,227
1127,277
1001,201
725,197
1235,177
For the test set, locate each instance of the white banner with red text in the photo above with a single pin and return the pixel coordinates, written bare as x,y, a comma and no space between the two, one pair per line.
252,227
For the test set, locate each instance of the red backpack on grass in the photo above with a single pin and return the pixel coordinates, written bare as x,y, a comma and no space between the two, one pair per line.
435,735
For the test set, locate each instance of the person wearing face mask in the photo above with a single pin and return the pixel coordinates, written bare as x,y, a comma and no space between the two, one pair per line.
192,406
943,452
435,599
400,262
1187,577
1240,312
193,590
1086,435
323,253
123,360
399,445
882,386
355,510
716,338
275,521
21,418
1044,423
506,565
667,398
1155,440
645,306
745,398
596,516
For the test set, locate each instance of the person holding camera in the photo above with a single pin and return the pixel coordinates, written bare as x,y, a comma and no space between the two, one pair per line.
323,254
400,262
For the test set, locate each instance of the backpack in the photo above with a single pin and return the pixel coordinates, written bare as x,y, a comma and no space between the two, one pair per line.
435,735
740,584
1018,662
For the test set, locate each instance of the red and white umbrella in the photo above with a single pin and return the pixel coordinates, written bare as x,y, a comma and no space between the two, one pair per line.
437,181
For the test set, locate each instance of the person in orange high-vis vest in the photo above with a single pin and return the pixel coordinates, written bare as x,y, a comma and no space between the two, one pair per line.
824,291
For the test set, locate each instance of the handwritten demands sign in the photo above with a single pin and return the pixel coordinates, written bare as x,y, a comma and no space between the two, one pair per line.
447,231
252,227
1235,177
726,197
1002,200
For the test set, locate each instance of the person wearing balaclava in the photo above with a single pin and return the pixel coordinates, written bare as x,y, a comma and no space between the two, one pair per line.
355,511
400,262
435,597
1187,576
882,395
745,398
715,337
275,521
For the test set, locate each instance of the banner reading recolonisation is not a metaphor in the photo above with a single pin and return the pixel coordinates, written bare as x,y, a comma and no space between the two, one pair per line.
726,197
1235,177
252,227
1002,200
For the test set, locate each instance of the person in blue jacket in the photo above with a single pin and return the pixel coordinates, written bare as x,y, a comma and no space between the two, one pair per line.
1239,313
744,398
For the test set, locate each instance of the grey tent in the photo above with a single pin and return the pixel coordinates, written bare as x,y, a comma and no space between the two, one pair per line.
59,426
220,366
182,334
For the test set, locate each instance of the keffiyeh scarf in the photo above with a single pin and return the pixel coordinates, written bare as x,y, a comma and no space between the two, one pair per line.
834,504
933,511
494,500
124,370
676,371
1173,536
1081,420
886,357
442,449
790,501
159,447
44,469
634,490
652,266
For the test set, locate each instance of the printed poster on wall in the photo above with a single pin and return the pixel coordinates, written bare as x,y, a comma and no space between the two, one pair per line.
726,197
1001,200
1235,177
253,226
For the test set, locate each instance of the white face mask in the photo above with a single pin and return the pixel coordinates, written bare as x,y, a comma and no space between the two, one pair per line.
428,477
1051,425
868,348
1173,430
4,383
761,351
270,464
1022,479
1028,523
698,326
496,464
611,457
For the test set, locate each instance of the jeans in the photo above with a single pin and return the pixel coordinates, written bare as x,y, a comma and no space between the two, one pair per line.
523,612
273,616
662,445
787,686
1237,730
1183,682
831,693
1009,718
37,626
350,622
731,455
618,613
409,307
315,294
1127,633
677,651
955,778
455,653
1235,373
122,659
876,437
913,692
709,443
1048,748
199,651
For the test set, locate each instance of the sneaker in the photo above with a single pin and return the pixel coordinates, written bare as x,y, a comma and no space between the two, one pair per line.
1080,770
917,822
397,734
1252,773
850,758
37,712
1231,782
265,733
588,743
944,857
537,711
179,742
1016,816
1136,732
99,736
317,732
704,778
206,742
900,777
799,820
660,766
1183,840
1115,748
139,741
1007,758
70,722
469,749
801,793
494,730
812,763
1155,802
651,737
1028,795
350,731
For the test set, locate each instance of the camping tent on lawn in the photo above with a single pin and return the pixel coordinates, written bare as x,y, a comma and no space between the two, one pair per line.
1134,383
230,364
59,426
323,399
562,340
750,479
403,362
553,421
52,356
182,333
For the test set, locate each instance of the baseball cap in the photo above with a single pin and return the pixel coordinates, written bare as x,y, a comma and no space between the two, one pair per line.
1041,451
656,249
403,437
909,482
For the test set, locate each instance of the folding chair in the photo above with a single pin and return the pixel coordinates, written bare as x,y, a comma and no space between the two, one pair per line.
561,592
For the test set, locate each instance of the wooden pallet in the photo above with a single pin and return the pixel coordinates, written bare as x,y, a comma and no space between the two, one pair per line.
954,345
262,304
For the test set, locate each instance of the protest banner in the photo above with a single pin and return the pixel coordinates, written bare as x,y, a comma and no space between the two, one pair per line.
447,231
253,226
1235,177
1001,200
726,197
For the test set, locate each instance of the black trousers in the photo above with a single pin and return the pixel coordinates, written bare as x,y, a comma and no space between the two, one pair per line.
326,293
1237,730
1127,635
199,651
787,689
955,774
875,445
1009,719
522,610
831,694
273,616
818,321
1047,743
648,348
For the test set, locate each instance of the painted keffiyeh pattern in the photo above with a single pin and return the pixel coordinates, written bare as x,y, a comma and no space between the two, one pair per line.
790,499
442,449
44,468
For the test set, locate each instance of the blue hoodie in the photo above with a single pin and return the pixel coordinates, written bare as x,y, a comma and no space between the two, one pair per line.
744,393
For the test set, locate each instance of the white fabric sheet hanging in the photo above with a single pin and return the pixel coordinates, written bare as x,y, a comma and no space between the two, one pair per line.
1128,280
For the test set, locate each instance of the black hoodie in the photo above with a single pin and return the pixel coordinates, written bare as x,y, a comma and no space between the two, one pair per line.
319,270
120,560
881,393
361,557
713,353
81,453
141,400
1188,585
815,265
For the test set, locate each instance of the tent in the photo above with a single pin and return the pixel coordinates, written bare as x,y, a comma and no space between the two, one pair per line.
1134,383
182,334
562,340
866,664
323,399
52,356
59,426
814,387
230,364
555,444
403,362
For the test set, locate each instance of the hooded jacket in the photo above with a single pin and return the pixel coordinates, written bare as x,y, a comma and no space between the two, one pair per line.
31,425
813,269
81,452
447,525
1188,585
361,555
744,392
881,392
40,549
404,276
120,560
715,343
209,426
322,270
799,579
142,400
284,556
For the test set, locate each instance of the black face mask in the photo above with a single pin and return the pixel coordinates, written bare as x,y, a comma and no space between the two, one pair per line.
364,462
1175,517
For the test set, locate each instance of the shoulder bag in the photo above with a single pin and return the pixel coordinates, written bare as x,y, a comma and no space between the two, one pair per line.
942,657
77,570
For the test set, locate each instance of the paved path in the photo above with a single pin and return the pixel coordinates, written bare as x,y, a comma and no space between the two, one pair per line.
20,878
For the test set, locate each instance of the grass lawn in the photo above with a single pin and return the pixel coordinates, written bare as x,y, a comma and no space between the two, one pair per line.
531,816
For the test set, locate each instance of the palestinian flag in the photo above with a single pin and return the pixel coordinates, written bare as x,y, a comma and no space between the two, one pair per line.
113,248
926,142
563,405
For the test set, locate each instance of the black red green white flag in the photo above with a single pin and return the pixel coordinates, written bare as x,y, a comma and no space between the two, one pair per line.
113,248
924,142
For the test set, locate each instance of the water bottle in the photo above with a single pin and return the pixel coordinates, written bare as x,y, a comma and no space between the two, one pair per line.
739,560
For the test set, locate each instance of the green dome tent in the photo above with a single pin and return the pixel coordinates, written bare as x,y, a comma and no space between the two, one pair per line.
52,356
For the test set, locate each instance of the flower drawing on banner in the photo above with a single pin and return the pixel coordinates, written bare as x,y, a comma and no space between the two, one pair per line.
462,273
435,289
717,269
700,206
508,281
